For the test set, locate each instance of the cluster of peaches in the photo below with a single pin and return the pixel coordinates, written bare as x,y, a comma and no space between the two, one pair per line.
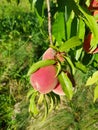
93,8
45,79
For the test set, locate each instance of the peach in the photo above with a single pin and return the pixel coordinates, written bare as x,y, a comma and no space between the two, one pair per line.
86,45
44,79
52,54
93,4
58,90
49,54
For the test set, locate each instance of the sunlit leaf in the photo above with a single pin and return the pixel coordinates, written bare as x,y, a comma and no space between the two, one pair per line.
40,64
95,93
92,79
72,42
58,68
90,21
30,92
51,104
32,106
40,99
66,85
69,25
92,24
78,54
81,29
58,26
46,110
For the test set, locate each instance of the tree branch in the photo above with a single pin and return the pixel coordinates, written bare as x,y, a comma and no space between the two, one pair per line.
49,22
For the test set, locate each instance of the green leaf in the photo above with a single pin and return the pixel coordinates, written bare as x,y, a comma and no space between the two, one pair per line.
66,85
81,29
39,9
81,67
92,24
30,92
58,27
72,42
51,104
40,64
39,5
92,79
40,99
70,64
58,68
69,24
89,20
32,106
46,110
78,54
95,93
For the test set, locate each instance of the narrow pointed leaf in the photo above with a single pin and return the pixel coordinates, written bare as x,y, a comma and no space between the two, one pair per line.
95,93
51,104
31,91
41,97
72,42
81,67
89,20
58,27
70,64
66,85
40,64
92,79
58,68
39,5
81,29
32,106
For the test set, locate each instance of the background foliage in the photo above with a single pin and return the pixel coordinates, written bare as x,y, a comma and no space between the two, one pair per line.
23,40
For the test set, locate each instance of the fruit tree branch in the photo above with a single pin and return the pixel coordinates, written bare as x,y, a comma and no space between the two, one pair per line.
49,21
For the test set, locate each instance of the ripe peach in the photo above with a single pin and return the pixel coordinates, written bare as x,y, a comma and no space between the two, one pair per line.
86,45
93,4
49,54
44,79
58,90
52,54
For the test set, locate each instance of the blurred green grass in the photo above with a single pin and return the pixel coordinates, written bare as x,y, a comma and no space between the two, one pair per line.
23,42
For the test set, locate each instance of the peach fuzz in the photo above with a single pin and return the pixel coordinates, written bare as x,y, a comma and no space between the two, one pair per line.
49,54
44,79
58,90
